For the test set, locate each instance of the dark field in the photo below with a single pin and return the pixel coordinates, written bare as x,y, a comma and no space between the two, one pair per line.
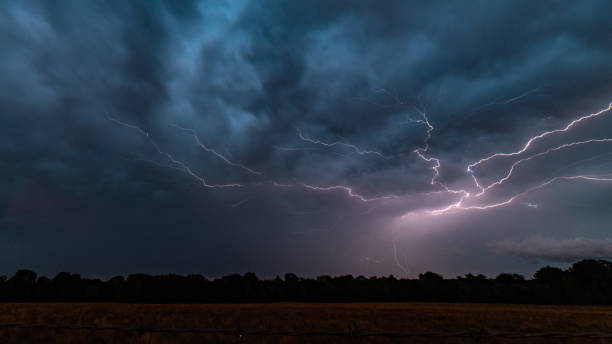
297,316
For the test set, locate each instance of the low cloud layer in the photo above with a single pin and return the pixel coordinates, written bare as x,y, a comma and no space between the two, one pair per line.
555,250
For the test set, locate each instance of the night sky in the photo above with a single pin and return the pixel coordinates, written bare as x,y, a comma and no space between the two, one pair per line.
313,137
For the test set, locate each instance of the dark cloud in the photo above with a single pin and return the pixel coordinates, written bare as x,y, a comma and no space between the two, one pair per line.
565,250
81,192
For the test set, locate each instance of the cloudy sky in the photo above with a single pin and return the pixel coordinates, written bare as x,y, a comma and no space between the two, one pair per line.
314,137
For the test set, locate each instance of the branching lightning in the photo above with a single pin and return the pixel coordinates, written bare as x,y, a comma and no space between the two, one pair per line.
112,119
354,148
214,152
298,149
515,165
177,164
466,200
171,158
538,137
348,190
460,199
460,204
436,162
420,151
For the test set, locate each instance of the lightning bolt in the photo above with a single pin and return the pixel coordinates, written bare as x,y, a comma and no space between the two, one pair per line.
517,163
459,205
156,163
237,204
184,167
296,149
397,262
422,152
214,152
507,101
384,91
340,143
436,162
540,136
465,195
348,190
171,158
112,119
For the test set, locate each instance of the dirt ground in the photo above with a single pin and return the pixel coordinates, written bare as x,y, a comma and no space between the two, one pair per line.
397,317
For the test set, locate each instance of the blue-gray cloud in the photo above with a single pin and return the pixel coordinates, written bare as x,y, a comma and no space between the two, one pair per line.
245,77
566,250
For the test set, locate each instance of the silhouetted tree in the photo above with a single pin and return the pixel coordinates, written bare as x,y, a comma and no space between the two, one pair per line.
549,275
509,278
430,276
585,282
22,284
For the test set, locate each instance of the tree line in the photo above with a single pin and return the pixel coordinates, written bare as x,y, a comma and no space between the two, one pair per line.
585,282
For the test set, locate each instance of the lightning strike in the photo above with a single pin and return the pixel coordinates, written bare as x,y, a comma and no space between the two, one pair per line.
171,158
507,101
540,136
397,262
159,164
237,204
214,152
437,165
112,119
421,152
465,195
459,205
514,165
349,191
355,149
298,149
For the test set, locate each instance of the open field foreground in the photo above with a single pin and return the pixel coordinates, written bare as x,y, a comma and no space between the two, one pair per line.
373,317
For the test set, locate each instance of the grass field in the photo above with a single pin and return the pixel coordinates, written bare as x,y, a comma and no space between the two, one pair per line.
297,316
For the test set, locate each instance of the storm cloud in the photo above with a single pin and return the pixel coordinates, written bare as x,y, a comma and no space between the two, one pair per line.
118,117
